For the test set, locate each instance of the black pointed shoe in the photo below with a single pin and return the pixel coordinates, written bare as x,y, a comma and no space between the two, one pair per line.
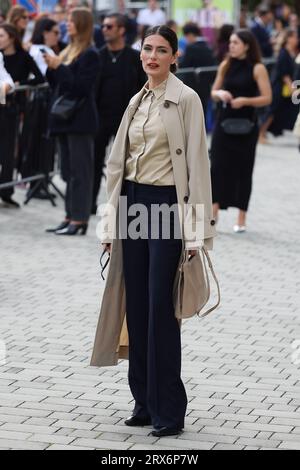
135,421
164,431
73,229
64,224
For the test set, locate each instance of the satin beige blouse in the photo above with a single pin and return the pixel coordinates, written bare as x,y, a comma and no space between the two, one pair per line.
148,160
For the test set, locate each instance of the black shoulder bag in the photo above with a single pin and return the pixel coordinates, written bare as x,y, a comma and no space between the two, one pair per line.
64,107
238,126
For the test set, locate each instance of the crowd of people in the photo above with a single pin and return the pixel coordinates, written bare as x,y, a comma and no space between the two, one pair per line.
95,63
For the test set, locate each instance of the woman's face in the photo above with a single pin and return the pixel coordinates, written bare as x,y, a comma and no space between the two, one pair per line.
237,48
22,22
71,28
279,26
51,37
292,41
294,21
157,56
5,40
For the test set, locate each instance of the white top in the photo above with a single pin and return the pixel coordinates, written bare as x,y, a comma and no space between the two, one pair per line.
36,54
137,46
151,17
211,17
5,79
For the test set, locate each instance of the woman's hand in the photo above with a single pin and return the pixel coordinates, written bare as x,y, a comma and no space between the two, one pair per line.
107,247
27,45
238,103
6,88
224,96
53,62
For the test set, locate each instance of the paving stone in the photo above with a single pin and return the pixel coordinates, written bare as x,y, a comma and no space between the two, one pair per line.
237,365
102,444
21,444
67,447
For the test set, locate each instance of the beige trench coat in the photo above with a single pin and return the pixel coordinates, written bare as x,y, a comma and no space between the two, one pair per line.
183,118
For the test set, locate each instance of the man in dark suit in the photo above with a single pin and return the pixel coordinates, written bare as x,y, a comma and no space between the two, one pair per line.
260,30
121,76
197,54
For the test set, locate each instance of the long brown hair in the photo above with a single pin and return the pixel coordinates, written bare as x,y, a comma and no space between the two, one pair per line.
253,52
83,20
14,15
13,34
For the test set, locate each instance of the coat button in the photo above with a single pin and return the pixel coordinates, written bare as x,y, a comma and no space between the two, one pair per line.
185,199
166,104
213,222
179,151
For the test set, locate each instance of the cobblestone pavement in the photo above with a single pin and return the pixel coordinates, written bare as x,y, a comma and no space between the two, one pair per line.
243,385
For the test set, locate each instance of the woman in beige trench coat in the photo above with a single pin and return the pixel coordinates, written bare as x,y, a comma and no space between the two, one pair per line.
170,113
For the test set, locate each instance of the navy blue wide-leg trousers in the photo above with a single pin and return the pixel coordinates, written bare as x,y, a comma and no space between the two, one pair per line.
150,267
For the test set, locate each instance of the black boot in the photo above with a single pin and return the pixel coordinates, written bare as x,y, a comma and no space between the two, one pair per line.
10,202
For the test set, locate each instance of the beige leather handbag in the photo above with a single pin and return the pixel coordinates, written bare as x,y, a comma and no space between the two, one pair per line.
192,287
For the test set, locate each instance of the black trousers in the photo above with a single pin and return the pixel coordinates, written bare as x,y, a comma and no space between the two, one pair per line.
8,134
108,129
77,168
150,266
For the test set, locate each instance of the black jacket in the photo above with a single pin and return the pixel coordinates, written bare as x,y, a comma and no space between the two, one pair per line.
197,55
78,81
263,39
132,78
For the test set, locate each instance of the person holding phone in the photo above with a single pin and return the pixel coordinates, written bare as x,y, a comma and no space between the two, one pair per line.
73,74
45,40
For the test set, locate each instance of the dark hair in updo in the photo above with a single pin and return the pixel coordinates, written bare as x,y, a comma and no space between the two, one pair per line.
169,35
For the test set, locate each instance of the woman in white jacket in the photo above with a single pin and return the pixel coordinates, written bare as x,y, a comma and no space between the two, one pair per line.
6,82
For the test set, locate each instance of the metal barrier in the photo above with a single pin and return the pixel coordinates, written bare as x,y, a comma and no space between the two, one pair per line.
36,155
201,79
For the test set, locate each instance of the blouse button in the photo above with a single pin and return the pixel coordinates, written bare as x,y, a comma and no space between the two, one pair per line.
179,151
166,104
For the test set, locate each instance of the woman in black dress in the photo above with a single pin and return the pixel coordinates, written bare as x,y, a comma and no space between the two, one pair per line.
242,84
282,114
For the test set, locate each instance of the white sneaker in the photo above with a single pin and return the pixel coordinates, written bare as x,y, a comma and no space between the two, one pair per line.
239,228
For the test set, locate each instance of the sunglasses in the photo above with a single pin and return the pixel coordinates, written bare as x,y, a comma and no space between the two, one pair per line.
107,26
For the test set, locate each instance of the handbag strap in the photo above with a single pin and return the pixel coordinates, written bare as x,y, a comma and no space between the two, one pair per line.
207,257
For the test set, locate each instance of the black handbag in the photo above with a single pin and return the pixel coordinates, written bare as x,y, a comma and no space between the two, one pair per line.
64,108
237,126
